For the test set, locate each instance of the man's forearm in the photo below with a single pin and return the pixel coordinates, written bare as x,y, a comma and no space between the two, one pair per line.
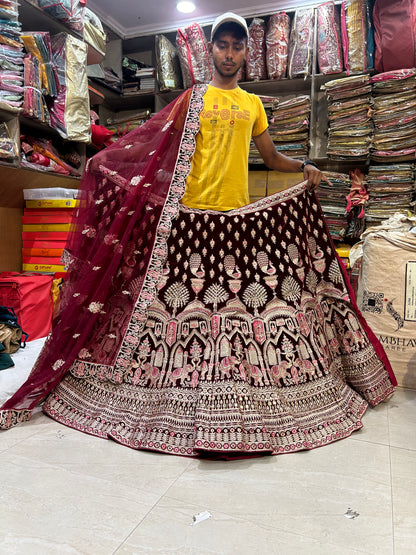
282,163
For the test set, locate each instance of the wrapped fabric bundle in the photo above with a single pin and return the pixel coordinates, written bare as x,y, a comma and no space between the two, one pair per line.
256,57
301,43
241,76
330,58
8,144
393,20
70,12
354,35
277,40
70,109
194,57
168,71
93,31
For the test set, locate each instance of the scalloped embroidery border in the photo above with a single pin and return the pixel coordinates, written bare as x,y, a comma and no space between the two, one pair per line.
170,211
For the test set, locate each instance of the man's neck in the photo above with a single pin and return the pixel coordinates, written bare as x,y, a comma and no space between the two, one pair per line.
226,83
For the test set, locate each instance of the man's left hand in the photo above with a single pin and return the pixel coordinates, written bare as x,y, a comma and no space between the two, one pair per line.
314,176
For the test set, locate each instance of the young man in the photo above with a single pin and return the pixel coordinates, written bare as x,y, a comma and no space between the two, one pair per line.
230,118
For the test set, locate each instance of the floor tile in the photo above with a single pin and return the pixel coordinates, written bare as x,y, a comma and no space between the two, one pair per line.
403,465
375,425
104,459
50,509
304,493
38,423
402,419
223,534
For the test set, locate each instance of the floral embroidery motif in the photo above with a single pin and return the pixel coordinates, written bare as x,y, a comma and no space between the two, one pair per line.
58,364
95,307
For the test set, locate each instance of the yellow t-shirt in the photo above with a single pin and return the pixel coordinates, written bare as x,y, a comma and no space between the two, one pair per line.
219,171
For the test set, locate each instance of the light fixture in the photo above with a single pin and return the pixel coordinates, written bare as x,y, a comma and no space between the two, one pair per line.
185,6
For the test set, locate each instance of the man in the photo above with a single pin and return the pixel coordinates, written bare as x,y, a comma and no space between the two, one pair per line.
230,118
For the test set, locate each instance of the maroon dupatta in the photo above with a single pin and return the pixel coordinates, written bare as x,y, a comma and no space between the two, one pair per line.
128,196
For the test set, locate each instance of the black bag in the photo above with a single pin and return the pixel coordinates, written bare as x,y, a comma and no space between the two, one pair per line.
11,334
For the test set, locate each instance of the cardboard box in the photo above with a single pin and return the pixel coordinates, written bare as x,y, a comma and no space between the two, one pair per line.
279,181
265,183
257,182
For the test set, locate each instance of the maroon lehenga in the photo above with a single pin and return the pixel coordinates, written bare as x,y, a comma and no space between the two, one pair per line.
192,332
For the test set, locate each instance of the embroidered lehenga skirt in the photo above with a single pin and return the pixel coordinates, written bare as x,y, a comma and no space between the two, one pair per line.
252,344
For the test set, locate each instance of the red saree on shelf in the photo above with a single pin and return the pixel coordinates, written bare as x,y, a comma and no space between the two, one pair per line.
197,332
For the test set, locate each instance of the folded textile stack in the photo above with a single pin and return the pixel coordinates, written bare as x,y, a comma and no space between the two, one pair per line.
41,78
390,188
131,81
11,57
147,78
334,202
39,45
137,76
41,155
34,105
289,126
269,104
349,117
394,97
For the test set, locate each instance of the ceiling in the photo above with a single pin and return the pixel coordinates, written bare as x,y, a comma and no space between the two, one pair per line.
135,18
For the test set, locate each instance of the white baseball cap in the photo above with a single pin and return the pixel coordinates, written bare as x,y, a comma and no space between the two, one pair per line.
226,18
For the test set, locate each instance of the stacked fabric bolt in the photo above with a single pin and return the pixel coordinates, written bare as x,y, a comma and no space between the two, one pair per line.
394,94
289,126
11,57
34,105
269,103
334,202
390,188
39,45
349,117
41,79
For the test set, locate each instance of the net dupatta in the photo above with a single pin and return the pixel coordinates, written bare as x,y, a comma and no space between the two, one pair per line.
129,194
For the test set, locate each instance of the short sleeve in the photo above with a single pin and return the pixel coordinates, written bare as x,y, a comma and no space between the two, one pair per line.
261,123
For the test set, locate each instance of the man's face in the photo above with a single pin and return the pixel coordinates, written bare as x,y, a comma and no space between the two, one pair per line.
228,53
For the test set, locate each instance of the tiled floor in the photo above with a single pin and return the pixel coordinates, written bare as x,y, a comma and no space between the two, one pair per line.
64,492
